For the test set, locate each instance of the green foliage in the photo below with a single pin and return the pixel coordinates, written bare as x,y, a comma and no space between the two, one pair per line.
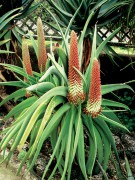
127,20
47,114
10,12
129,172
100,12
104,12
21,155
128,118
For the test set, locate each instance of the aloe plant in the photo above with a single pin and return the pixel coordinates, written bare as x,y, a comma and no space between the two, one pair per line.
63,104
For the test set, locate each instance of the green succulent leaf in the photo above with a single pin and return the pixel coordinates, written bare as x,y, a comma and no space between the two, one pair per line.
102,117
40,87
14,83
81,151
19,93
113,87
53,123
129,172
5,16
63,57
59,68
18,37
107,102
21,106
50,71
5,22
5,52
93,147
4,41
102,45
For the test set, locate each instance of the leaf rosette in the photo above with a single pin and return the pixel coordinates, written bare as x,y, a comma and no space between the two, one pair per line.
64,104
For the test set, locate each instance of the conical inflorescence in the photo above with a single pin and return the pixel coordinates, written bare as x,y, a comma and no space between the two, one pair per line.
42,55
26,57
93,106
26,61
75,87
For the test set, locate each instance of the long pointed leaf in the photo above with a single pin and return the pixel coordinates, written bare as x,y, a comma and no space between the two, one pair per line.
113,87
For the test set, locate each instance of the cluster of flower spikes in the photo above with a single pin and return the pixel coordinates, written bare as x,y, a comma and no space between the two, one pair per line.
42,55
76,94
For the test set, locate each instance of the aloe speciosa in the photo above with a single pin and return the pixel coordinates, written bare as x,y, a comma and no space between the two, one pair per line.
63,105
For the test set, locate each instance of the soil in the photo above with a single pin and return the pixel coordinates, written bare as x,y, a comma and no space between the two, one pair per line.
8,172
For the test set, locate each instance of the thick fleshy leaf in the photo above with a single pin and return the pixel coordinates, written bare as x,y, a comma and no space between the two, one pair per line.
102,45
53,123
4,41
59,68
113,87
14,83
31,123
6,15
21,106
5,22
41,87
92,152
55,101
107,102
5,52
62,135
19,93
104,118
81,151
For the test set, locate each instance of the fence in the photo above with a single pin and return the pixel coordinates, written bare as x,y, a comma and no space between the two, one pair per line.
124,37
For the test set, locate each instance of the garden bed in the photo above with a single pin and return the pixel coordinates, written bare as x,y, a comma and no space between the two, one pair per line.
125,144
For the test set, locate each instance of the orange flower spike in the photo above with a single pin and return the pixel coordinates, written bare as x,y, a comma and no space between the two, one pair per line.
93,106
26,57
76,94
26,61
42,55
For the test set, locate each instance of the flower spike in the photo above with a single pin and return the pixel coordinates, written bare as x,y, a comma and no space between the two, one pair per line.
42,55
26,57
26,61
76,94
93,106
